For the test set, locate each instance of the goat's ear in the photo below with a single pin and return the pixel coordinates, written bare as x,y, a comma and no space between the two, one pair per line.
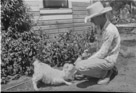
65,66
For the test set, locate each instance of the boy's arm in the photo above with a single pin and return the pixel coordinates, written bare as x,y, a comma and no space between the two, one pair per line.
103,51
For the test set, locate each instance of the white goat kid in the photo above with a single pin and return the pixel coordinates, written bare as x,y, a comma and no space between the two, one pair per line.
50,75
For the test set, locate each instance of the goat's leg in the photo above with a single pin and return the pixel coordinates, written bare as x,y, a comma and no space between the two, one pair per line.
67,83
35,81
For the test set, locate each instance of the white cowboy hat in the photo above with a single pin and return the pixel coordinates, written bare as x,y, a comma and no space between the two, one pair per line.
96,9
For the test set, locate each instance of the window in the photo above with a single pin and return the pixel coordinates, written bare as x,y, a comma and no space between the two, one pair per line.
56,9
55,3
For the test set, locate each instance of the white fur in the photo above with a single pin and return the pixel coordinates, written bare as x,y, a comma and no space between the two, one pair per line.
50,75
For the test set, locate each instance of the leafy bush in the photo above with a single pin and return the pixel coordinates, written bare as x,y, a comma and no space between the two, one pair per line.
65,49
14,16
17,42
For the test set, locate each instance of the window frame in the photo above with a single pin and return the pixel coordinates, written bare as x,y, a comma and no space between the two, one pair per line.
56,11
55,8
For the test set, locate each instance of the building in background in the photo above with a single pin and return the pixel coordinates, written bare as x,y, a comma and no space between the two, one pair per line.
58,16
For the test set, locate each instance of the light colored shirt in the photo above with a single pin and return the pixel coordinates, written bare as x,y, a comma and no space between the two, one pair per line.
109,42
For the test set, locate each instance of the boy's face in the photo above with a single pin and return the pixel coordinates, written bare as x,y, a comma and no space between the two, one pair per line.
97,20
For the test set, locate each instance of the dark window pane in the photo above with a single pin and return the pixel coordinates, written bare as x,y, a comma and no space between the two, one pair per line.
55,3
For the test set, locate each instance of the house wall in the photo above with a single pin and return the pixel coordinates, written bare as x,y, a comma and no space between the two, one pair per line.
59,23
79,13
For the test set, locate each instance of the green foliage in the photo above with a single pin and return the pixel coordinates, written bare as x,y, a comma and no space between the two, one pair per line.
17,43
119,4
14,16
65,49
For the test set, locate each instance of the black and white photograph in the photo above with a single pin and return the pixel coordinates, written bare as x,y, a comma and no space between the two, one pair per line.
68,45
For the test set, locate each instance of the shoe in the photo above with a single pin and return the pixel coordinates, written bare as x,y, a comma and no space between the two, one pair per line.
106,79
115,72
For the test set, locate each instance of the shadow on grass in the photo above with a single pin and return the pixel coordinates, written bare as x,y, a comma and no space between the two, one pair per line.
89,82
93,81
43,85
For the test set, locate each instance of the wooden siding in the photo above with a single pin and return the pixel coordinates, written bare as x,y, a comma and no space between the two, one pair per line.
35,5
51,22
79,13
55,24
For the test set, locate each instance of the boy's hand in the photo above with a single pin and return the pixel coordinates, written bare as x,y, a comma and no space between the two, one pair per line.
85,55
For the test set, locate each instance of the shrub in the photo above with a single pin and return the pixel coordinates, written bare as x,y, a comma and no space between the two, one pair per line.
65,49
17,43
